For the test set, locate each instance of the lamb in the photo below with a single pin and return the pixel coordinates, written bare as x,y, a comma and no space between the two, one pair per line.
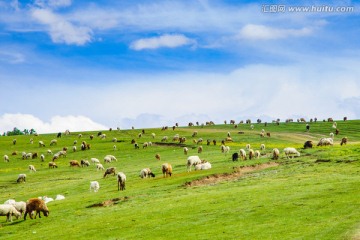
6,158
192,161
242,154
275,153
21,178
308,144
121,181
52,165
110,170
38,205
343,141
94,186
99,166
146,172
41,144
9,210
74,163
32,168
325,142
289,151
167,169
95,160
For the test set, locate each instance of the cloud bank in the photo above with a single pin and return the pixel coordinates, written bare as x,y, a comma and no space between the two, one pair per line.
163,41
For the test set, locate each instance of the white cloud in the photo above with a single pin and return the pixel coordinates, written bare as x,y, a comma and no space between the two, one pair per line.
56,124
261,32
163,41
11,57
60,29
53,3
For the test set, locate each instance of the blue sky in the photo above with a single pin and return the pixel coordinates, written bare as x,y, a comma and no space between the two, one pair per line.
86,65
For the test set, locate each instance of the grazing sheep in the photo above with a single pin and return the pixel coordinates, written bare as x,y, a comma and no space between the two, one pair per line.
275,153
103,136
14,141
95,160
84,163
74,148
194,134
52,165
110,170
262,147
38,205
308,144
289,151
80,135
343,141
28,155
114,147
186,150
53,142
99,166
247,147
146,172
10,201
242,154
6,158
331,135
164,139
203,166
114,139
225,149
20,206
32,168
107,159
235,156
75,142
34,155
153,135
121,177
192,161
167,169
268,134
41,144
58,135
145,145
21,178
49,152
157,156
112,157
325,142
200,149
251,154
334,125
94,186
74,163
9,210
42,157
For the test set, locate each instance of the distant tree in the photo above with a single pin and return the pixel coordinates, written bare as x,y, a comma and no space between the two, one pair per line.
32,131
14,132
26,132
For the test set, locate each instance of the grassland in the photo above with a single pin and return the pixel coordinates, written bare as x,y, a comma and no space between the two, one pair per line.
315,196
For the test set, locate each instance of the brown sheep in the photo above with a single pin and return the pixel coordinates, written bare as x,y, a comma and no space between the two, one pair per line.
200,149
166,169
52,165
74,163
268,134
110,170
157,156
35,155
308,144
38,205
343,141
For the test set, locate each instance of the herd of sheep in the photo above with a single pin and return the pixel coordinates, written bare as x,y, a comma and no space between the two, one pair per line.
36,205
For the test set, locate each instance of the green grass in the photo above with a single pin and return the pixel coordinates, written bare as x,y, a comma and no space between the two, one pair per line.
314,196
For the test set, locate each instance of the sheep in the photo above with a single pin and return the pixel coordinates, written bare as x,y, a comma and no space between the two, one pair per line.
94,186
334,125
74,163
20,206
99,166
59,197
32,168
53,142
157,156
102,136
91,137
6,158
194,134
242,154
114,147
112,157
164,139
289,151
84,163
21,178
257,154
74,148
262,147
308,144
107,159
275,153
10,201
95,160
153,135
203,166
9,210
14,141
42,157
146,172
225,149
80,135
28,155
192,161
110,170
121,178
200,149
41,144
75,142
31,141
186,150
114,139
34,155
251,154
49,152
52,165
325,142
167,169
331,135
343,141
145,145
247,147
58,135
38,205
235,156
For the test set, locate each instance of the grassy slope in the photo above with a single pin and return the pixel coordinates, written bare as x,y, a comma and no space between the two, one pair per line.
299,199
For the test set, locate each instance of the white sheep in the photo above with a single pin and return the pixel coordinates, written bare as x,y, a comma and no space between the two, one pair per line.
49,152
145,145
251,127
251,154
185,150
59,197
103,136
225,149
192,161
262,147
41,144
75,142
114,139
28,156
99,166
21,178
247,147
203,166
242,154
94,186
325,142
6,158
9,210
114,147
275,153
164,139
107,159
20,206
95,160
42,157
257,154
32,168
121,177
53,142
146,172
74,148
334,125
80,135
10,201
332,135
290,151
153,135
112,157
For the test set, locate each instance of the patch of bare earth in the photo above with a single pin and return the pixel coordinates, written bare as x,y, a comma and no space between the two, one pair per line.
109,202
238,172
